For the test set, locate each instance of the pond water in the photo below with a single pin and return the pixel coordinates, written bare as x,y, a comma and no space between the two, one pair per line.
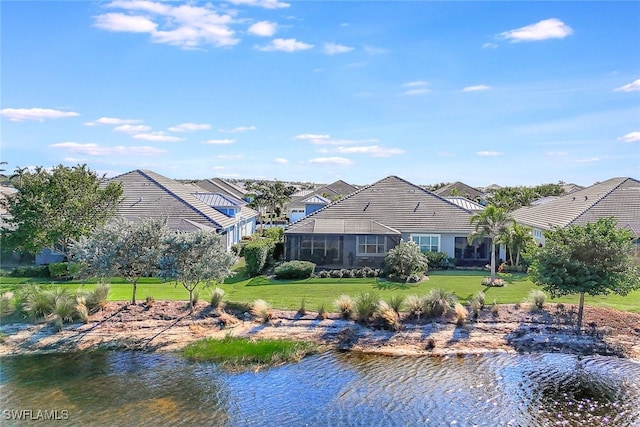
337,389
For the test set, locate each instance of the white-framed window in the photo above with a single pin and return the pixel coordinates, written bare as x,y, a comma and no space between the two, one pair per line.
371,245
537,233
427,242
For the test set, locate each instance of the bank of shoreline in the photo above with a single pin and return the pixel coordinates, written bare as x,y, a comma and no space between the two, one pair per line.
168,326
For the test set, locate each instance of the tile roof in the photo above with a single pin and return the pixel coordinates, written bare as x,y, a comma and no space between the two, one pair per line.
461,188
148,194
217,185
617,197
338,188
218,200
393,203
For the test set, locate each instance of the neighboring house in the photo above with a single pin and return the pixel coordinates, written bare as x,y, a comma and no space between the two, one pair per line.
616,197
361,228
220,186
465,203
296,209
460,189
571,188
147,194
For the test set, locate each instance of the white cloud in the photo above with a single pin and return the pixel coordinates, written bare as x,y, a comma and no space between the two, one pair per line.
218,168
219,141
631,87
420,91
230,156
132,128
120,22
373,150
157,137
91,149
476,88
280,160
331,160
335,48
489,46
112,121
311,136
488,153
186,26
374,50
263,28
267,4
39,114
416,83
587,160
546,29
285,45
630,137
189,127
238,129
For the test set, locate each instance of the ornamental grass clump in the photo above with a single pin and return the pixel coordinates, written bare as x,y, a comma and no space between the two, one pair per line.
437,302
216,298
322,312
345,306
388,315
461,314
97,299
536,299
6,304
81,307
397,302
414,306
365,306
262,310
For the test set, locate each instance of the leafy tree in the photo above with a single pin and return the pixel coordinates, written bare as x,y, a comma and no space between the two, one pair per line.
52,208
517,238
195,258
271,195
512,198
595,259
406,259
493,223
122,248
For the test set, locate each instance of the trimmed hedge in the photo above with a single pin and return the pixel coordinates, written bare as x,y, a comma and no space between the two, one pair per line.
31,271
64,270
255,255
437,260
295,270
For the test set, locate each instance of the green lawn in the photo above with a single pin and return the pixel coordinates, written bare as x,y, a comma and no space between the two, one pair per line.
289,294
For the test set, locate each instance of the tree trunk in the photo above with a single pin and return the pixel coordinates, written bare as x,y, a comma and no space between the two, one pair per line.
518,258
190,300
580,312
493,261
133,297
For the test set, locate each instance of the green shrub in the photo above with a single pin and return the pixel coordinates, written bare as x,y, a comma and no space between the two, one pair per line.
345,305
406,259
255,255
295,270
437,260
274,233
438,302
365,305
58,270
31,271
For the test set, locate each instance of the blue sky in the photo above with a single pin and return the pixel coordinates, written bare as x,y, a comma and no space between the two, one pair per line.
514,93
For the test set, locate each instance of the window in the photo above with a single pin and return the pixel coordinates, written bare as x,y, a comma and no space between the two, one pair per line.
427,242
371,245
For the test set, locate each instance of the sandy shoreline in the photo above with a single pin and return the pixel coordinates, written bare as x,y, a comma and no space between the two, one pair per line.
167,326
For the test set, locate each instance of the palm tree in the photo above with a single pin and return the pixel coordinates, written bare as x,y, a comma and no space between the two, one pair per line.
492,222
520,237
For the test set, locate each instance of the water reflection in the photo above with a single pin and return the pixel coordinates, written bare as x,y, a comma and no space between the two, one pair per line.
124,388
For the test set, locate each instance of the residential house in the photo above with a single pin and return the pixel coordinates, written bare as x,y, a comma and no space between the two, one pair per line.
616,197
361,228
147,194
460,189
297,207
220,186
